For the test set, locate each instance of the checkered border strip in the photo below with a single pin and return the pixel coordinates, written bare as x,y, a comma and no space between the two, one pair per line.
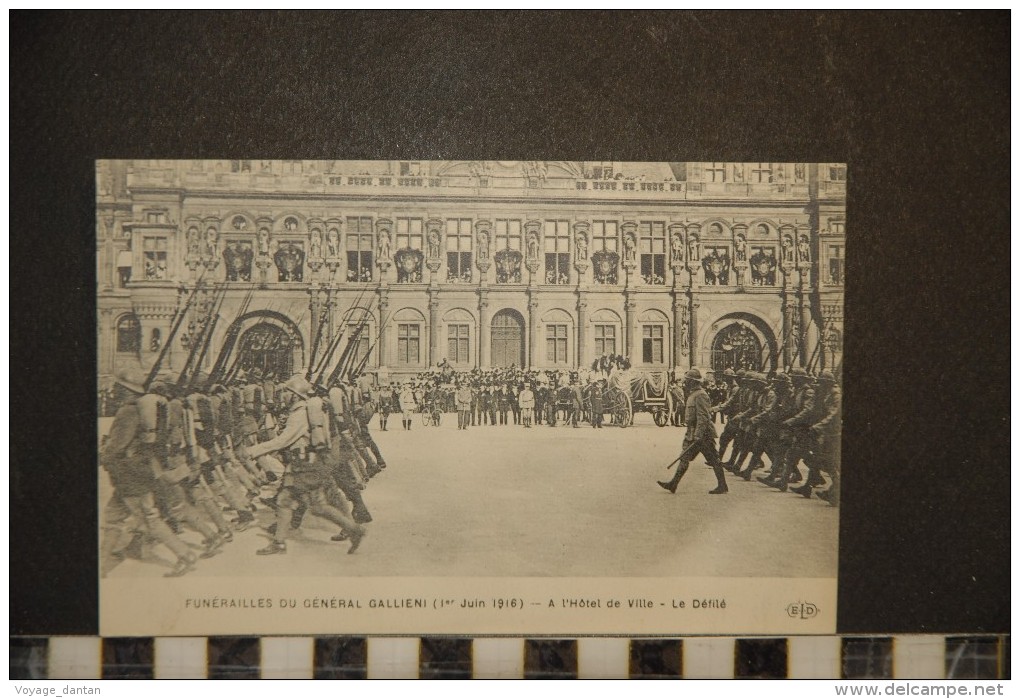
350,657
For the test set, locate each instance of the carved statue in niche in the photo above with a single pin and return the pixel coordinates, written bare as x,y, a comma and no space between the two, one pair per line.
533,246
738,172
333,243
194,243
787,249
798,172
384,245
263,241
677,245
693,246
780,174
630,247
483,246
434,244
211,237
741,249
582,246
316,243
804,249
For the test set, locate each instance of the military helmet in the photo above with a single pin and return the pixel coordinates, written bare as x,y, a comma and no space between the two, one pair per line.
798,373
161,387
742,373
729,374
692,375
826,377
782,377
131,379
298,384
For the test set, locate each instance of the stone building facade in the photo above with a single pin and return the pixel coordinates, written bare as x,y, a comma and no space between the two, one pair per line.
544,264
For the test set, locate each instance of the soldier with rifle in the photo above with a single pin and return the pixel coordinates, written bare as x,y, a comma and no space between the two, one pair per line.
131,457
305,448
699,437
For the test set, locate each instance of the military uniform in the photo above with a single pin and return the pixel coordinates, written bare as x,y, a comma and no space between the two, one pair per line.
305,446
699,437
464,396
829,431
526,399
130,456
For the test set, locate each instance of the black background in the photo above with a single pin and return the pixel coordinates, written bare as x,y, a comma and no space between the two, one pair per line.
917,104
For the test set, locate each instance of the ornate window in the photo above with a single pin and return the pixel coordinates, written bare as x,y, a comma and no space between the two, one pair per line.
835,271
359,249
458,250
557,252
605,339
556,344
508,253
837,173
410,168
715,172
763,264
652,344
154,258
129,334
459,346
409,234
652,242
238,256
409,343
716,263
761,173
240,166
605,251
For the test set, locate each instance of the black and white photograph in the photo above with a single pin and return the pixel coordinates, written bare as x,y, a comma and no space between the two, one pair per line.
496,369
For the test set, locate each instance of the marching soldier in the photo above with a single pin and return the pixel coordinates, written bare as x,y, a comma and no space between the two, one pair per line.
768,427
729,407
130,457
756,400
829,431
304,444
699,437
797,441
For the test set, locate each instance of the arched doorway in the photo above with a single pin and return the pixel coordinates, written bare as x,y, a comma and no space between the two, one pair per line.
268,349
507,339
736,347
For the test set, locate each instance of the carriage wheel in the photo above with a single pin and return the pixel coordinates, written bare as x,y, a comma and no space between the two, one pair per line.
621,416
661,417
426,419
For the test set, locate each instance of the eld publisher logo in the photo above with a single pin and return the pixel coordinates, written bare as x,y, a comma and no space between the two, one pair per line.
802,610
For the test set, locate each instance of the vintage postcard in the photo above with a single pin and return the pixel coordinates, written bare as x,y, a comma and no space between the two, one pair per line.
485,397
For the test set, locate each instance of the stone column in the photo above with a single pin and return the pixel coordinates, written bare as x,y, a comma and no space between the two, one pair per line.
484,334
694,333
680,349
532,332
629,330
582,331
384,327
433,331
806,328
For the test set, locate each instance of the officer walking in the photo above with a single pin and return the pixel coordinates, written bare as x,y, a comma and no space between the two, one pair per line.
699,437
407,405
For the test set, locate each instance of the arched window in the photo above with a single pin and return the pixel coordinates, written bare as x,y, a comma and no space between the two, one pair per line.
129,334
